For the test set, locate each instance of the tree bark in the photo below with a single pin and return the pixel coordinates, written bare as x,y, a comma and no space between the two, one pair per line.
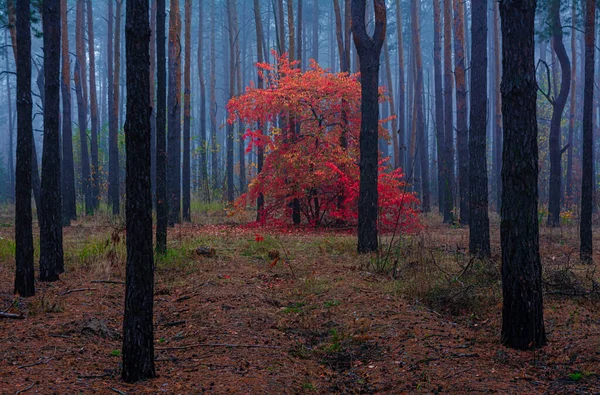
138,335
587,181
230,5
260,201
369,50
568,199
448,116
186,169
162,208
479,223
204,182
113,133
439,103
24,274
51,240
401,122
558,107
497,165
93,107
462,132
522,310
174,111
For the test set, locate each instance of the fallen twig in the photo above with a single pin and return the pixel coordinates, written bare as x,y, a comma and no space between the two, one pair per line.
216,345
36,363
93,376
24,390
13,316
118,391
107,282
77,290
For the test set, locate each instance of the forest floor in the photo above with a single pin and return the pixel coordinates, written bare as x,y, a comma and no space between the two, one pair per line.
318,319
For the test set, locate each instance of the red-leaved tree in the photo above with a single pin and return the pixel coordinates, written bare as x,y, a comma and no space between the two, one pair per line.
308,160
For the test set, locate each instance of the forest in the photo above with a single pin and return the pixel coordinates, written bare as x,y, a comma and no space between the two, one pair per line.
299,196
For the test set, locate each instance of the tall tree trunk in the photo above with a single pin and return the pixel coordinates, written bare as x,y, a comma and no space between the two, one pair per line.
162,208
568,199
239,82
369,50
204,184
231,92
390,88
152,97
214,142
497,174
587,179
51,240
93,107
462,132
260,201
174,110
138,335
448,116
315,30
479,223
423,143
113,133
558,105
439,103
11,160
522,310
68,167
401,115
24,275
113,142
186,169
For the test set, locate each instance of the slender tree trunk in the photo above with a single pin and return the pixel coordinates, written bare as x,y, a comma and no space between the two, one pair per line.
369,50
113,140
186,169
479,223
11,159
93,107
522,310
390,88
462,132
162,208
231,92
587,181
153,97
204,183
51,240
498,110
315,30
569,187
239,82
558,107
214,142
68,167
448,116
260,201
401,122
439,103
174,110
420,116
138,335
24,275
113,148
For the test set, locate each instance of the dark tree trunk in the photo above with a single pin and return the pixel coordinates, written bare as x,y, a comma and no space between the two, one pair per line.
558,107
401,93
85,161
162,208
369,50
113,133
114,136
260,201
232,37
204,184
587,181
238,69
423,142
214,143
11,160
497,150
439,102
24,275
568,198
448,116
93,107
51,241
174,110
479,223
152,97
138,335
186,169
522,311
462,132
68,166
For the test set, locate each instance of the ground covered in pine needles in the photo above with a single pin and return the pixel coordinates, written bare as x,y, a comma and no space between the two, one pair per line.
283,311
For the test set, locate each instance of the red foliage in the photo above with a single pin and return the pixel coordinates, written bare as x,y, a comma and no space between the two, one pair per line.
309,162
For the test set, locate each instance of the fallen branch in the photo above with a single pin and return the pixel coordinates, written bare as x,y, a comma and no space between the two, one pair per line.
13,316
36,364
217,345
107,282
77,290
24,390
118,391
94,376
